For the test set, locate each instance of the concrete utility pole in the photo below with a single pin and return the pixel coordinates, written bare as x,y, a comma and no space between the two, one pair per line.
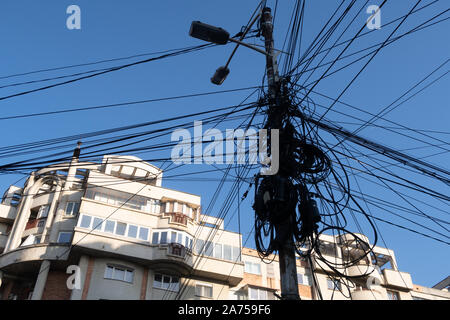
277,116
283,229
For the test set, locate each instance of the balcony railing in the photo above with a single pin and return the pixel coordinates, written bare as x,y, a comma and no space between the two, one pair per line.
177,249
177,217
31,224
35,223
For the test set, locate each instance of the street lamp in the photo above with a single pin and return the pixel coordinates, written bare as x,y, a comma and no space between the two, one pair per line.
220,36
220,75
208,33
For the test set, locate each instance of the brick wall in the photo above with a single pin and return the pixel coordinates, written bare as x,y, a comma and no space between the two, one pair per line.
253,279
87,280
144,284
305,291
56,287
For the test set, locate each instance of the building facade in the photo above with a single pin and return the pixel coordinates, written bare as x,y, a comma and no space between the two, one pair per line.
90,231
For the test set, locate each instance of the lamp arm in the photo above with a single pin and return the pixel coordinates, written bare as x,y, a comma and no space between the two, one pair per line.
248,46
239,42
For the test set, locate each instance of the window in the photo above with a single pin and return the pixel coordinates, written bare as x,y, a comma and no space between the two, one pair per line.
168,236
123,199
308,280
257,294
209,248
199,244
119,273
97,224
132,231
143,233
120,228
227,252
64,237
236,254
43,212
304,279
252,267
72,208
169,206
155,238
392,295
129,275
204,290
109,226
41,223
166,282
333,284
163,237
218,250
85,221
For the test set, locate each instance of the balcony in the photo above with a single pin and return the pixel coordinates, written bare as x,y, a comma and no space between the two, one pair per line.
176,217
222,270
36,252
363,269
34,226
177,249
321,266
31,224
366,294
160,257
166,256
7,212
397,279
350,238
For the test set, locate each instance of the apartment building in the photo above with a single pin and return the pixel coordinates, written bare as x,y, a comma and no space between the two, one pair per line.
110,230
318,281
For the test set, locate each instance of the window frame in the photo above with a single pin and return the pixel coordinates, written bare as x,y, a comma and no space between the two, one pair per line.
169,283
43,212
122,268
391,293
260,292
65,232
80,223
306,279
251,267
113,228
74,211
186,239
202,291
124,230
41,223
129,228
335,283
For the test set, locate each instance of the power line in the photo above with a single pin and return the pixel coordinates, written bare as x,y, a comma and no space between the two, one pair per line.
113,69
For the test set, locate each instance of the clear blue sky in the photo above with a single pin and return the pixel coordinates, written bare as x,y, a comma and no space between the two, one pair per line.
34,36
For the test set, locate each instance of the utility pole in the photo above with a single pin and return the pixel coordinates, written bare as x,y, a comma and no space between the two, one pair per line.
283,201
283,229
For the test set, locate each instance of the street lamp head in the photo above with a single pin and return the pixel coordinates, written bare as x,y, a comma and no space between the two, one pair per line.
220,75
208,33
